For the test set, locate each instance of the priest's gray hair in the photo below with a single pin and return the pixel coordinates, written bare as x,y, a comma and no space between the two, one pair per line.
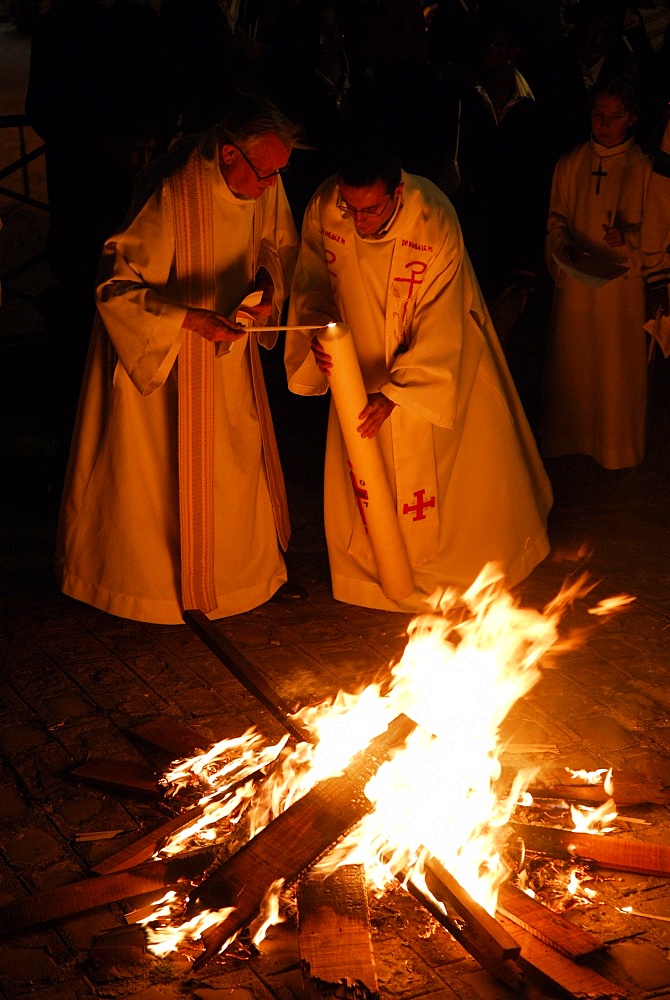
249,117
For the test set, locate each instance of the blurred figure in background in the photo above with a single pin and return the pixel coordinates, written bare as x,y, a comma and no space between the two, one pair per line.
497,173
656,243
594,51
596,391
99,95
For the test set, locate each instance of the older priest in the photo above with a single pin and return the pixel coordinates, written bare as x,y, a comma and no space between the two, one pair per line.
174,496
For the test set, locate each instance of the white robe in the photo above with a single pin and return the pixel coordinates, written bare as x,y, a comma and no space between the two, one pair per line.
656,231
596,391
656,219
458,432
119,531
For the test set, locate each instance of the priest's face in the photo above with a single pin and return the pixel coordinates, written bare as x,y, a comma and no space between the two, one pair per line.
249,171
370,207
610,120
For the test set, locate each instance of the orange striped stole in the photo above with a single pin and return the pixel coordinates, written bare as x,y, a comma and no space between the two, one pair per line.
273,467
194,262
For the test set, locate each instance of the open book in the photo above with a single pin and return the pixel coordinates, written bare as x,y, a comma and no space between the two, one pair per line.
589,268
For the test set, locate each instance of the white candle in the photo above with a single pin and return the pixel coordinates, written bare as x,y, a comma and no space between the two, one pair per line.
275,329
350,398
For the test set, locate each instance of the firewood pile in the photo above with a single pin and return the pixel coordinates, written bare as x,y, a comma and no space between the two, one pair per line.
525,944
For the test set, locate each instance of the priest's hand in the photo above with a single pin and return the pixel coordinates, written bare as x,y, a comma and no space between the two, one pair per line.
323,360
379,408
658,301
262,312
211,326
613,237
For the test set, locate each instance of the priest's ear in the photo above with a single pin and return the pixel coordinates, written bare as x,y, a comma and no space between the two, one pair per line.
227,153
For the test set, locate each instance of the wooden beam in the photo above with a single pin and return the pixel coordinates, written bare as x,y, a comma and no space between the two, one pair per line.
66,900
245,672
557,783
293,841
444,887
174,738
550,967
144,848
125,776
504,969
334,935
606,851
552,928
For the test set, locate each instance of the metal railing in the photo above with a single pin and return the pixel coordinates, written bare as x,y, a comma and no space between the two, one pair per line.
20,122
24,196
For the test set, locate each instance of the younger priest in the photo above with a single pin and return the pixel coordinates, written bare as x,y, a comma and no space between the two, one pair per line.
382,252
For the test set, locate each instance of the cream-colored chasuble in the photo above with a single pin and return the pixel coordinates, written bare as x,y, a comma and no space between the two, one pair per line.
460,457
121,545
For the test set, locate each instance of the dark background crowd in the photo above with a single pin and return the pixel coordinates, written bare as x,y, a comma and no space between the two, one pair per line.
481,97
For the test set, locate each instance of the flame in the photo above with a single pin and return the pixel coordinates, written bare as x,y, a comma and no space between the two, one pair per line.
610,604
167,937
595,778
598,819
464,667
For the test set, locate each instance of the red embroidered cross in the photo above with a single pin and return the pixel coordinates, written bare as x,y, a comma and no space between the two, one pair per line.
414,278
419,506
361,495
331,258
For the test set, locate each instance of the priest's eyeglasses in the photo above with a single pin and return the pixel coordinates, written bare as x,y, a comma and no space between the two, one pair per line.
347,209
259,176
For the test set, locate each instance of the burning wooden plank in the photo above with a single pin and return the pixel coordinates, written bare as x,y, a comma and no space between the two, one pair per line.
66,900
607,851
552,928
293,841
557,784
245,672
505,969
144,848
444,887
334,935
551,967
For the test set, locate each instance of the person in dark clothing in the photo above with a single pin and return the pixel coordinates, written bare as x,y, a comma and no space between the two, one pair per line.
595,50
205,64
99,96
307,70
498,176
503,174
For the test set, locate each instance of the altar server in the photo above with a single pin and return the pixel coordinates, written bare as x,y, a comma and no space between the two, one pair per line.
596,385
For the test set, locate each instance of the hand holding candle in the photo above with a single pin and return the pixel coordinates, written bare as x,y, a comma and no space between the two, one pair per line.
351,399
378,410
